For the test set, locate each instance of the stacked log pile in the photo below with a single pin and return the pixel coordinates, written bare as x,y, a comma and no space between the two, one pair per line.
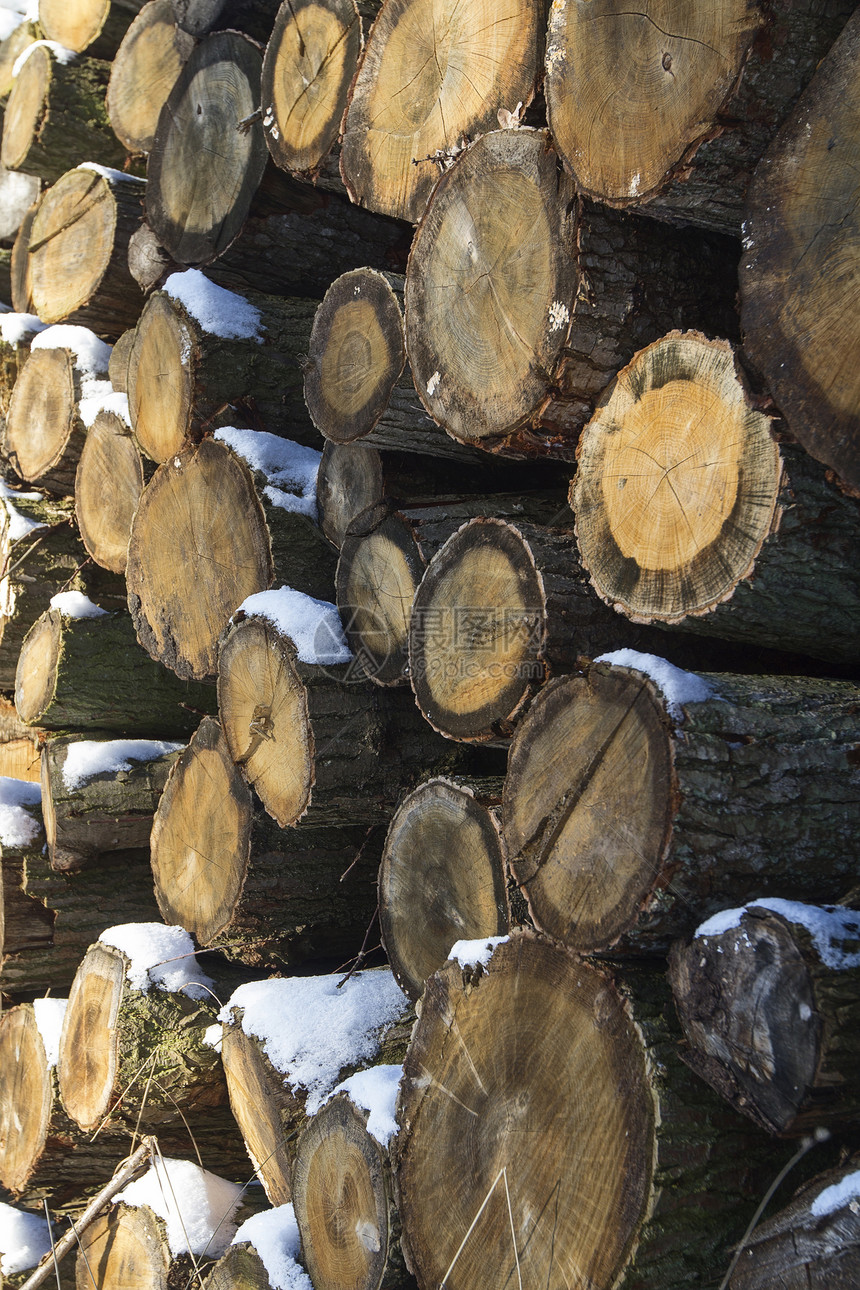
428,525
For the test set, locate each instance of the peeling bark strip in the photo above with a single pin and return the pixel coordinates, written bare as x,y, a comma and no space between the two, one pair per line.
203,169
671,107
152,54
771,1013
688,512
799,270
624,830
431,76
585,1134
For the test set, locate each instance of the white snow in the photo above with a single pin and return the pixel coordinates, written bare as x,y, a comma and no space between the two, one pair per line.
375,1090
290,469
103,399
90,757
836,1197
311,1029
274,1234
74,604
677,687
197,1207
17,825
213,1035
159,956
107,172
91,354
312,625
49,1021
218,311
17,327
60,53
475,953
24,1239
835,931
19,525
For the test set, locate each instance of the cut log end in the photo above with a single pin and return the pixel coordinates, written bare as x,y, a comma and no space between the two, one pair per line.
42,415
160,383
26,1096
89,1044
24,108
108,485
254,1105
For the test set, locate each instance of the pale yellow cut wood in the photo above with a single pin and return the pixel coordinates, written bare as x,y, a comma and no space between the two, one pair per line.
41,413
26,1096
253,1102
24,107
160,402
108,485
147,63
37,662
88,1044
124,1249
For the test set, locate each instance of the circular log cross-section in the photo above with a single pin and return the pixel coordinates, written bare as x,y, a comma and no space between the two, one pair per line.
199,547
203,168
150,58
357,352
490,285
44,435
126,1246
351,477
432,74
26,1097
79,251
630,94
308,67
441,880
108,485
800,269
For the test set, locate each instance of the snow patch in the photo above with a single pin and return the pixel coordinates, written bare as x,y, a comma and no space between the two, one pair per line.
218,311
835,931
24,1240
289,468
559,315
837,1196
104,399
312,625
197,1207
433,383
17,327
90,757
49,1021
213,1036
107,172
60,53
375,1090
311,1028
470,954
74,604
159,956
18,799
677,686
274,1234
91,354
19,525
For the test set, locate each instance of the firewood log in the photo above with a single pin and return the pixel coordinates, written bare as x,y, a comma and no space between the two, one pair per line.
428,79
204,357
288,1043
650,812
56,116
768,997
688,511
20,745
700,98
562,1089
442,876
152,54
94,25
800,247
10,50
109,480
89,673
118,361
196,207
22,298
78,250
130,1241
206,536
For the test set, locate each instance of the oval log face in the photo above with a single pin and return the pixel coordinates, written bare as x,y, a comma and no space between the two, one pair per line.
108,485
631,89
24,108
253,1103
125,1250
530,1094
41,412
149,60
74,26
161,378
88,1044
25,1096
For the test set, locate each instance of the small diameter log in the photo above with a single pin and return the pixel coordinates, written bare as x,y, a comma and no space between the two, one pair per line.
78,250
44,432
383,559
204,166
723,799
94,25
22,295
768,997
128,1245
442,876
682,130
718,528
811,1244
566,1095
11,49
100,796
310,61
152,54
208,533
90,673
20,745
264,895
16,333
108,483
56,115
239,1265
118,361
269,1060
487,314
800,255
236,362
343,1194
430,78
